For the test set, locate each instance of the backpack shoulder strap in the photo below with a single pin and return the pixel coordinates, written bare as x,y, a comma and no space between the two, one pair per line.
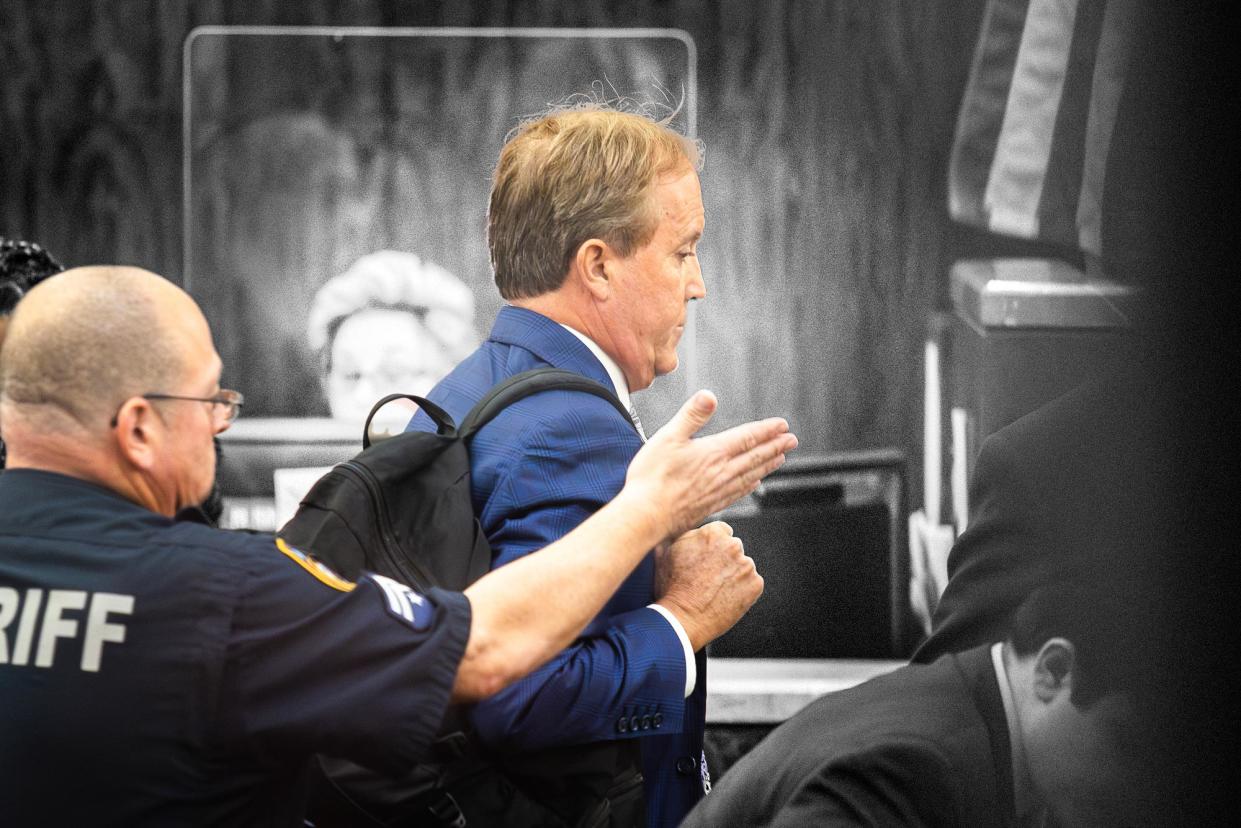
441,418
522,385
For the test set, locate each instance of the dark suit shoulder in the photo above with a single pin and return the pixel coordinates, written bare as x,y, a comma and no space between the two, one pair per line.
908,746
911,781
573,423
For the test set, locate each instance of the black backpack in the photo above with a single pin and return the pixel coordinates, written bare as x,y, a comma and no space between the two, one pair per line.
402,508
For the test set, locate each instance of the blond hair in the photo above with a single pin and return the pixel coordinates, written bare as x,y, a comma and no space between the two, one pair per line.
578,172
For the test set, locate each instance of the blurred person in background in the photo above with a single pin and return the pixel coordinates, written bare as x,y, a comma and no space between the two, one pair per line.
391,323
23,265
1057,723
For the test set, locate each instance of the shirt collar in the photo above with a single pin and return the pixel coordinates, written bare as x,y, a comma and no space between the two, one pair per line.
1023,800
614,371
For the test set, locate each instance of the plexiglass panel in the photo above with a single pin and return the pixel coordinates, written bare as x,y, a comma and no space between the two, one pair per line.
336,185
310,152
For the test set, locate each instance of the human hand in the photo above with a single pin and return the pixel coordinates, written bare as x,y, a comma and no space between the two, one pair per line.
690,478
706,580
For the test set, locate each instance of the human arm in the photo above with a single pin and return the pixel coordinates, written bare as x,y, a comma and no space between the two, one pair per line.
316,663
363,670
673,483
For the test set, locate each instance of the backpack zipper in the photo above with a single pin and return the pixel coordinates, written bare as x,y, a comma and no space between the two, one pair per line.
406,566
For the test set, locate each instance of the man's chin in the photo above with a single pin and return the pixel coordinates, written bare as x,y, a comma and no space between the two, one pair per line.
666,367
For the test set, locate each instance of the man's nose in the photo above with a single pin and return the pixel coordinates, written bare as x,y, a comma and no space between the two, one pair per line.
696,288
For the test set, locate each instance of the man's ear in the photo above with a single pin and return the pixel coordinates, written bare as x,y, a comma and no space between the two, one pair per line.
1053,668
139,432
590,266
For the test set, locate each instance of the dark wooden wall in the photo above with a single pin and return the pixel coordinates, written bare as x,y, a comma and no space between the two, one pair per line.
827,127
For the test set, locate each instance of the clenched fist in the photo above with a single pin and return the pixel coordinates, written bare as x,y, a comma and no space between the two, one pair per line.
706,580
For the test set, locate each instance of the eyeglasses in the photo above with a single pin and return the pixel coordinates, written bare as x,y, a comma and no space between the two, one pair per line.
225,406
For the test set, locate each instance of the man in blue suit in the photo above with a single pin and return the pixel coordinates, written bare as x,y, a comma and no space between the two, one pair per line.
593,227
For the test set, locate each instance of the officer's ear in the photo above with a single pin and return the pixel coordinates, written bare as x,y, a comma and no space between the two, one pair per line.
139,429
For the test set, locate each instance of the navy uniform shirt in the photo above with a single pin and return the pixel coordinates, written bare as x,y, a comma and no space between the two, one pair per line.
162,673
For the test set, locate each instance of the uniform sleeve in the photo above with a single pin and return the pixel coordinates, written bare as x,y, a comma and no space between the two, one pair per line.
362,671
625,676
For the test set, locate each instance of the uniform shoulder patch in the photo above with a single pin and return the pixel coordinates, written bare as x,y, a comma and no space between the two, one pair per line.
315,567
403,602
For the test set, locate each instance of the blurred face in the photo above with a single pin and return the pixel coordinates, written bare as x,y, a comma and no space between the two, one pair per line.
377,352
653,286
1088,764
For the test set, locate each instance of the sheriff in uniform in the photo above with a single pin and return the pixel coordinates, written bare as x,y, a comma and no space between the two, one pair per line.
155,672
201,663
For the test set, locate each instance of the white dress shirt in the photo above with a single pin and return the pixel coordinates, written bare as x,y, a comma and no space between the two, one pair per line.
1022,804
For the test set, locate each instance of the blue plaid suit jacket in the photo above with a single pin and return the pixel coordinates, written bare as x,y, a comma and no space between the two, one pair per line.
539,469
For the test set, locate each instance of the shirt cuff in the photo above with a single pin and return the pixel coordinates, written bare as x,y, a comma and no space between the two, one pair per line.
691,671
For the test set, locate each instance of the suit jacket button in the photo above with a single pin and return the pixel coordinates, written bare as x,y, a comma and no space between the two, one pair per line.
686,765
646,722
657,720
622,725
635,724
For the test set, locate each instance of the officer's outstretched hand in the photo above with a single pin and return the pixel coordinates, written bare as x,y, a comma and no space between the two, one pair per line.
693,477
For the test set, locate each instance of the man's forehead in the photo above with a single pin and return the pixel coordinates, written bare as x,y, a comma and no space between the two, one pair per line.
680,197
686,178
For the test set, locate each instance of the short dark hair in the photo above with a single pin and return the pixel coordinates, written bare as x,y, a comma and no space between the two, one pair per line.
1111,622
23,265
